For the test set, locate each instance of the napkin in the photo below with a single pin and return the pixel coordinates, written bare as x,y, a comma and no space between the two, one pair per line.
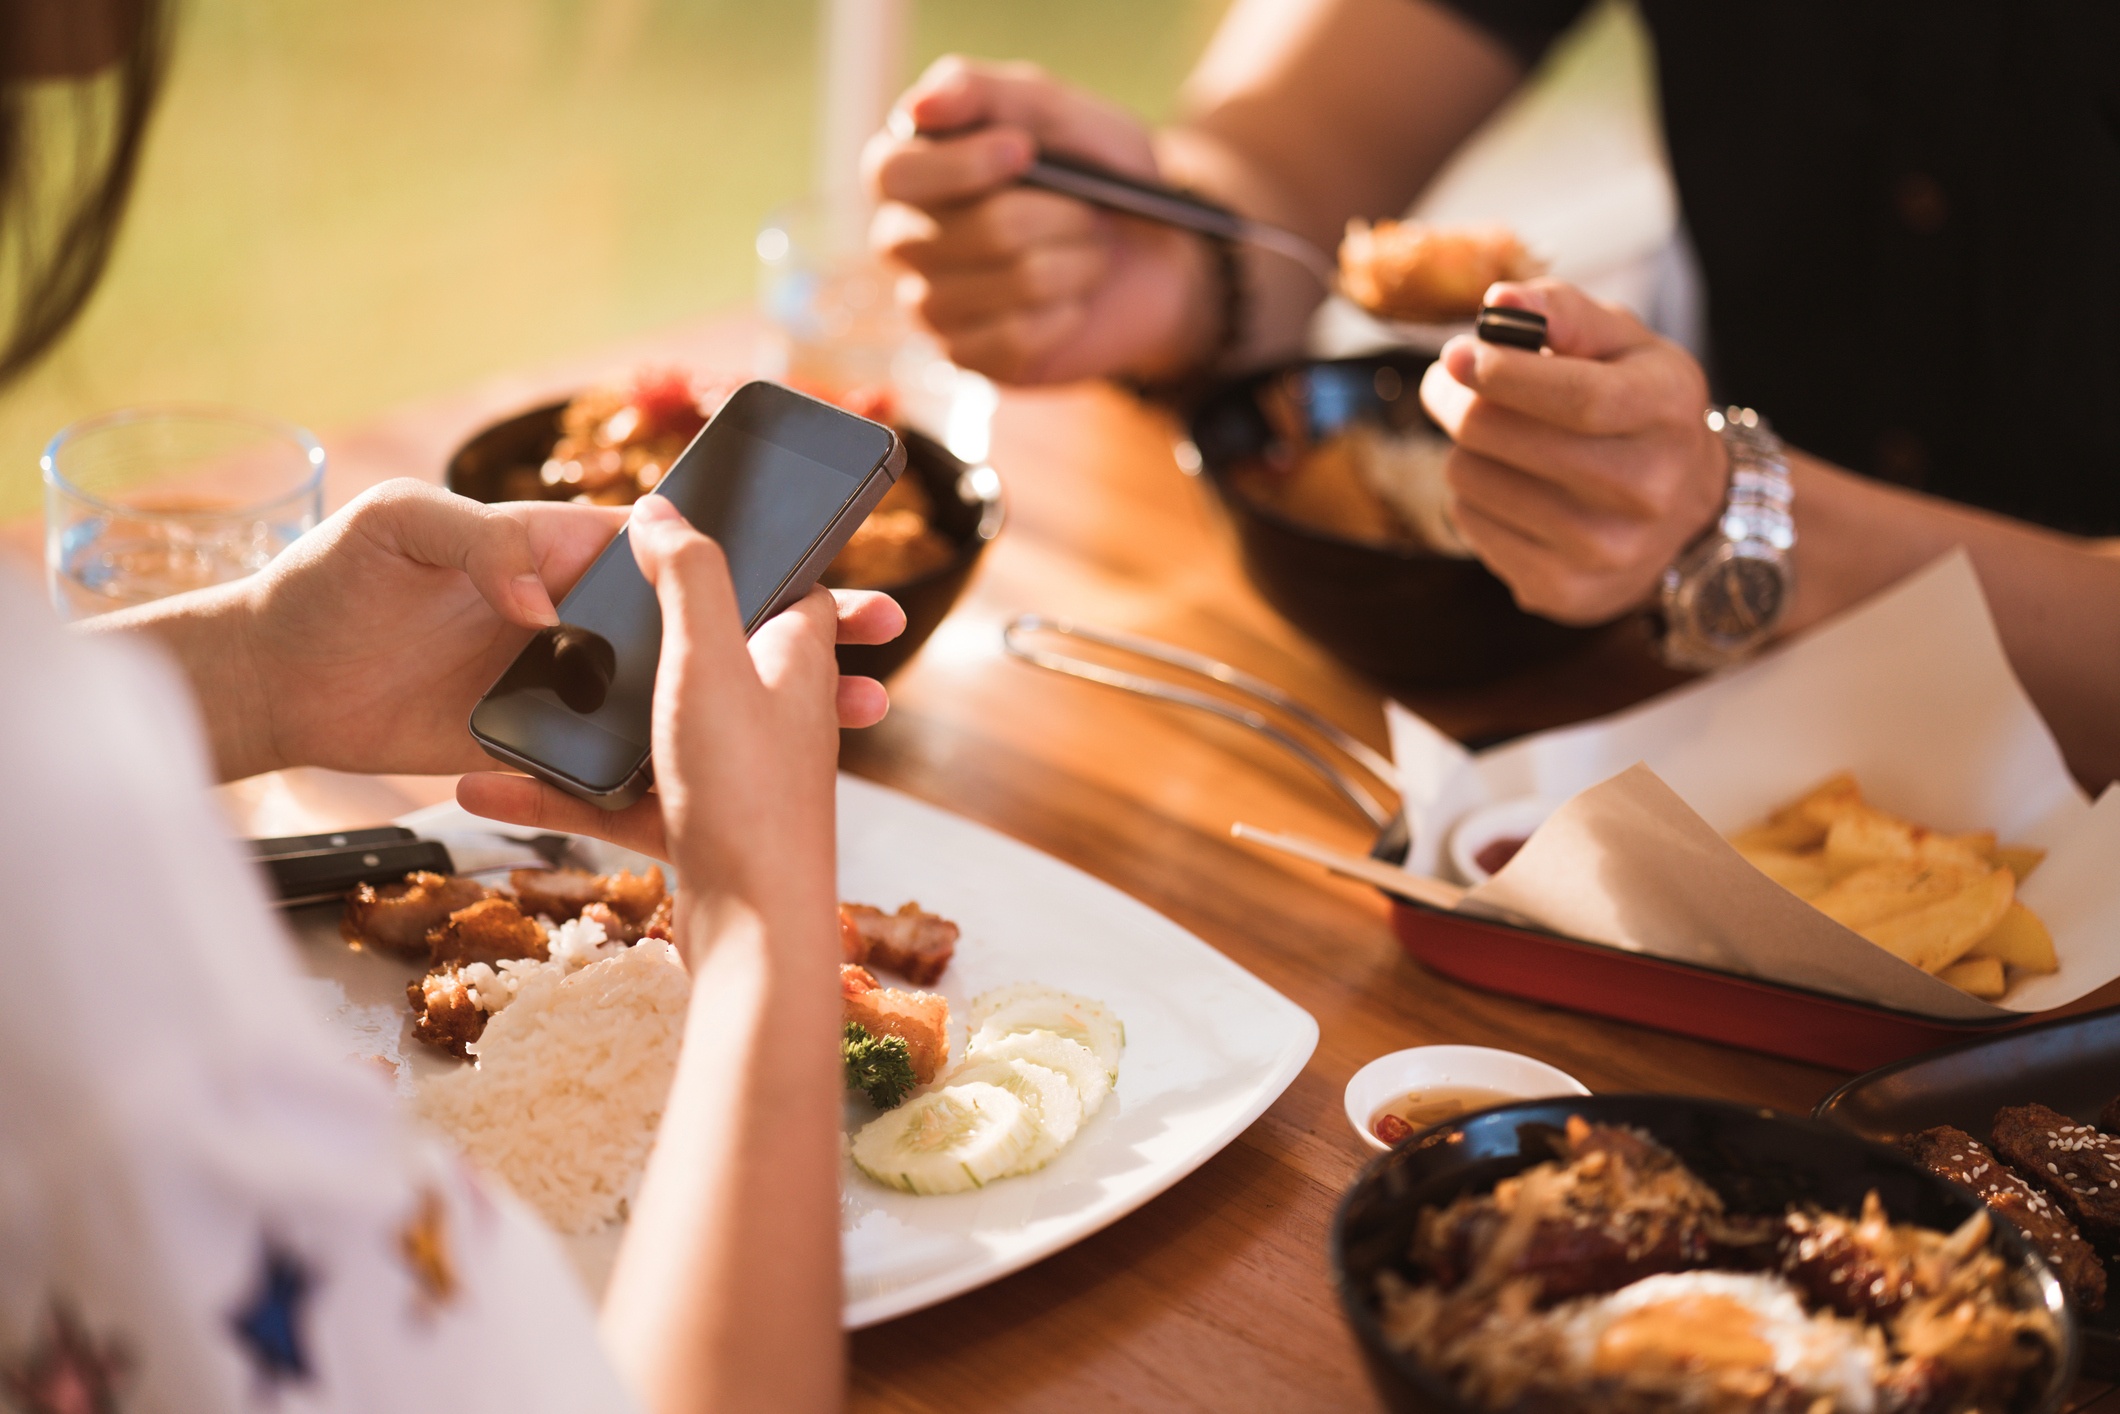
1910,691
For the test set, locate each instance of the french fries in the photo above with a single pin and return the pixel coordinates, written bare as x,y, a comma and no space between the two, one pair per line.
1946,903
2020,940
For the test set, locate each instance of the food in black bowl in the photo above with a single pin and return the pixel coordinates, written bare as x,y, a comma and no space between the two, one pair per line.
609,446
1625,1253
1332,474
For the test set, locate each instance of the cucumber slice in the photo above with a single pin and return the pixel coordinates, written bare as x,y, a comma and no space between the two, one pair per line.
1071,1058
1079,1019
948,1140
987,1003
1053,1100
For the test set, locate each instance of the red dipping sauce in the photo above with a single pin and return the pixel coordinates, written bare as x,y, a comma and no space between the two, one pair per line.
1495,853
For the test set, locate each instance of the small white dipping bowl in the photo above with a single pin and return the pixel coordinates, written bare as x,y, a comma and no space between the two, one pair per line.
1515,819
1512,1076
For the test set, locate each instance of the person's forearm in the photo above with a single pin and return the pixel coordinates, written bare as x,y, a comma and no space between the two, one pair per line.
2055,598
726,1294
207,632
1305,113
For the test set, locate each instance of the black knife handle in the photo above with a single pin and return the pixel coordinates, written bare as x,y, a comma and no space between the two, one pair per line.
329,874
283,846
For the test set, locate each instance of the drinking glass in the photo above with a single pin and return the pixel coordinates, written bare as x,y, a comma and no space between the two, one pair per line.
836,329
149,502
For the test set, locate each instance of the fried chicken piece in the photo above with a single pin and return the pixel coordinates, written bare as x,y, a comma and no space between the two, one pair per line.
922,1018
557,894
914,944
893,547
633,897
853,943
661,923
1964,1160
2077,1166
1324,490
491,930
561,894
444,1015
395,917
1427,274
1618,1207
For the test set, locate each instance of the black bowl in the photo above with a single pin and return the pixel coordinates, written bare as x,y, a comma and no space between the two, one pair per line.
966,500
1403,617
1759,1161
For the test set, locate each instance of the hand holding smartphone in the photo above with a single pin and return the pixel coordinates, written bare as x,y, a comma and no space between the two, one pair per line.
780,481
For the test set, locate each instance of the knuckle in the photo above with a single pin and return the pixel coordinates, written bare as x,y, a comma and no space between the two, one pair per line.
1591,409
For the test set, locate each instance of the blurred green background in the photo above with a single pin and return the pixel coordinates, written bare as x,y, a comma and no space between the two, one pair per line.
347,206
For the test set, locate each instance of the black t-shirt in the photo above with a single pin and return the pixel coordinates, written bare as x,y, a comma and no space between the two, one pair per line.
1908,216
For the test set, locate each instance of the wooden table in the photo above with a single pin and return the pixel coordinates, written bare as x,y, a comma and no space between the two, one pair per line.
1215,1296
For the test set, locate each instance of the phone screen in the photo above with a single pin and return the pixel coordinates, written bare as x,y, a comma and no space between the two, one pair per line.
770,479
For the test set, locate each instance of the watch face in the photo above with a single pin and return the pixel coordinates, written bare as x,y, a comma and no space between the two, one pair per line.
1736,599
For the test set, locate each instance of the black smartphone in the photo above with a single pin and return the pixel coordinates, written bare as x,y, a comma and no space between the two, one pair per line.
780,481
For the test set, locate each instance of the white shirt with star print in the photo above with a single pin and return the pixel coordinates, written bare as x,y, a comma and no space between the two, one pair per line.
203,1205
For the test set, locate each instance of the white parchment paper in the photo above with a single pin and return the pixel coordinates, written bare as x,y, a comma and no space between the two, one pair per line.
1910,691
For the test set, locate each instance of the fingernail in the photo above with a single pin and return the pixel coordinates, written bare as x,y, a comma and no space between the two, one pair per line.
535,603
900,124
655,508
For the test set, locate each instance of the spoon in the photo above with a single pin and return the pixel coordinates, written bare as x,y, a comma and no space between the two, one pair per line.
1167,205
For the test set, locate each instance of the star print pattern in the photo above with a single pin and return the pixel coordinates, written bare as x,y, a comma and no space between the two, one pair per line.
423,1242
67,1370
268,1325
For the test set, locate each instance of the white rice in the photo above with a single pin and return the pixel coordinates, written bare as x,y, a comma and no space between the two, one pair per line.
570,1083
569,947
1406,470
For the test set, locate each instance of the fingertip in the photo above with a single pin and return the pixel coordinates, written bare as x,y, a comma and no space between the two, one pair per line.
1518,294
862,702
487,793
654,507
1460,359
868,616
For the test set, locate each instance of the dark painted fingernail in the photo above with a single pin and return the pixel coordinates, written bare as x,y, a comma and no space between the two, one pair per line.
1517,328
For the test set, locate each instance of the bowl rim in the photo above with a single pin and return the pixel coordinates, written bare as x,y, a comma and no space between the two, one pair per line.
987,492
1355,1305
1470,1057
1496,820
1217,477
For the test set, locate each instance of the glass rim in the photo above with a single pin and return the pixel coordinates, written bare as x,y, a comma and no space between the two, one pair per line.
312,452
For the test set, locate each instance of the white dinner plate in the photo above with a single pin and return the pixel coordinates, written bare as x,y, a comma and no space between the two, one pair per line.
1208,1045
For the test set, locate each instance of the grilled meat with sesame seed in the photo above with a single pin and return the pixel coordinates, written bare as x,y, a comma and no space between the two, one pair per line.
2075,1165
1964,1160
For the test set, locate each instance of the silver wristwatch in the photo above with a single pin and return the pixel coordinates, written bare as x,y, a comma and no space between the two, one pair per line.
1724,594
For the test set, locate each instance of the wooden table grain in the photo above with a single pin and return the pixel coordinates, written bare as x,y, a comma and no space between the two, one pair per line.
1216,1296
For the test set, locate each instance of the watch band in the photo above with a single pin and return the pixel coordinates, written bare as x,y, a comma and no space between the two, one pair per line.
1723,596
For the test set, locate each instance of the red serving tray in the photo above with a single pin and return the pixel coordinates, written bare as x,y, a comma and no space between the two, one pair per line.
1671,996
